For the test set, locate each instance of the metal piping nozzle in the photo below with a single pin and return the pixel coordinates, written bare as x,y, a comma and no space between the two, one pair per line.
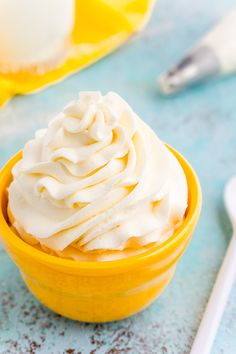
199,65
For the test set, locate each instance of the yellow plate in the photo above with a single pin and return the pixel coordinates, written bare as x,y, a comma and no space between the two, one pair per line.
100,27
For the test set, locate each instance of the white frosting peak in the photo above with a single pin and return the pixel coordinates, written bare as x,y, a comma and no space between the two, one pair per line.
97,178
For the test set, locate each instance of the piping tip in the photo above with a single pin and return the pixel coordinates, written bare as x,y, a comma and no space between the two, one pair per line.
171,83
196,67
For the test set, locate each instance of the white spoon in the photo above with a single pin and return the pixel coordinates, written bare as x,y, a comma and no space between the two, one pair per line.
225,279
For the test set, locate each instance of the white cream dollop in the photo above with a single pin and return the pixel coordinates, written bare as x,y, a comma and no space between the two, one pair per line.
34,34
97,179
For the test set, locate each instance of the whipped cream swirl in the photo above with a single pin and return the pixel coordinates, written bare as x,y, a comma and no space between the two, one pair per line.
97,179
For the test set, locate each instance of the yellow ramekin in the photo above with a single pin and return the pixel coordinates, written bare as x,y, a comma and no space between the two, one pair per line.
99,291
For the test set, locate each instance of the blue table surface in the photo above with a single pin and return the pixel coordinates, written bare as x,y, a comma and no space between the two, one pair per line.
201,124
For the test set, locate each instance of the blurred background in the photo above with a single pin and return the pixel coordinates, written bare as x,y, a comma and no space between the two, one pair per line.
200,122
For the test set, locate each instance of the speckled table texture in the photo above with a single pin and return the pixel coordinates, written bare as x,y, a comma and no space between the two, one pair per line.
201,123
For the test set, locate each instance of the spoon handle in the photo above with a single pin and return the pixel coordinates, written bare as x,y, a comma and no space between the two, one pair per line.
216,304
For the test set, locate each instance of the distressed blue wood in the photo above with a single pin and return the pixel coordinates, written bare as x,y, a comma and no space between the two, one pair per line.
201,123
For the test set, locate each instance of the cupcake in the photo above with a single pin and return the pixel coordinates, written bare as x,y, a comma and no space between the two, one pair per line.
34,35
98,210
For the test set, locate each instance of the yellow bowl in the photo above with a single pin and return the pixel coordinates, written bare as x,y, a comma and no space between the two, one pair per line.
99,291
